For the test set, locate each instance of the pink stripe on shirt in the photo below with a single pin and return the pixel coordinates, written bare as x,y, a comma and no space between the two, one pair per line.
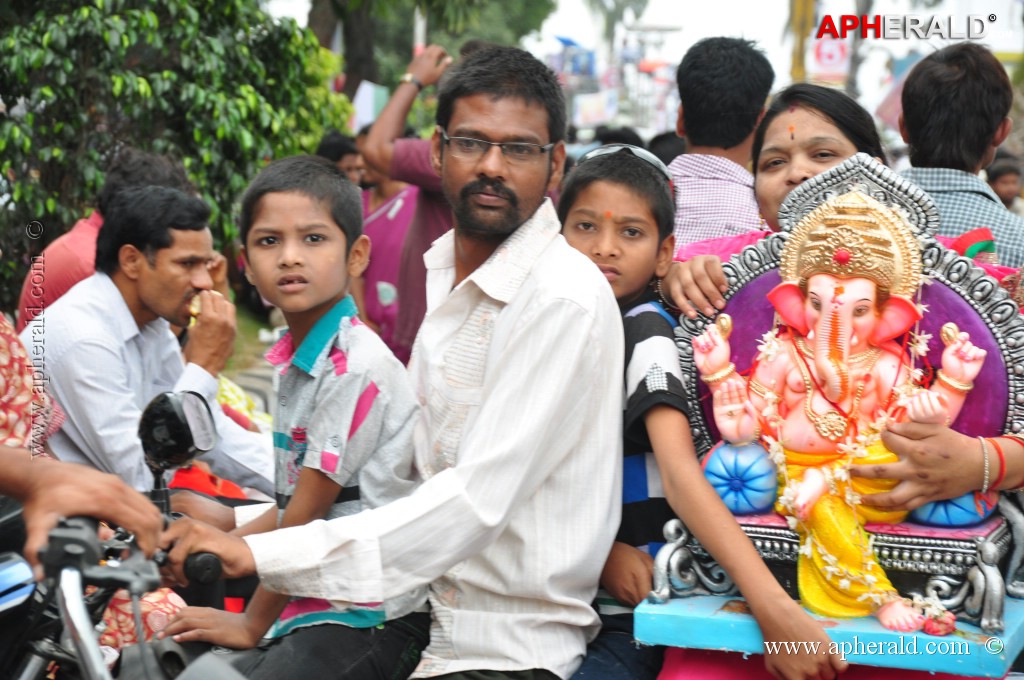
339,360
363,407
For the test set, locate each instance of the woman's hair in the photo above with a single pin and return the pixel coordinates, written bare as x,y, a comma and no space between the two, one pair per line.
851,118
630,171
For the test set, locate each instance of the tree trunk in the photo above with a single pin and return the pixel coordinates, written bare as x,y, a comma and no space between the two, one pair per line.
357,34
322,21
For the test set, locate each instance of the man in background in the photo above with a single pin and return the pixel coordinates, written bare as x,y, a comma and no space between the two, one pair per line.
956,105
723,86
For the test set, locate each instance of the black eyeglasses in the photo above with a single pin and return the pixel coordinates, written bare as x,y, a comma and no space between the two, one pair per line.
642,154
515,152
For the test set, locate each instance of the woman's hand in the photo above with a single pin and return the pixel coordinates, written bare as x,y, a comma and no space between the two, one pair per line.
936,463
696,284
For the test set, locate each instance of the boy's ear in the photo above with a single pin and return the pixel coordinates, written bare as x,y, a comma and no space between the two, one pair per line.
680,127
665,252
359,256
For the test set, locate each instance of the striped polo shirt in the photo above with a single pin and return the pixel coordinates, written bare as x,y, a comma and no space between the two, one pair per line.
345,406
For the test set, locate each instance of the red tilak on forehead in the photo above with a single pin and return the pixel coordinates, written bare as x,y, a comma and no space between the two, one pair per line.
607,214
792,128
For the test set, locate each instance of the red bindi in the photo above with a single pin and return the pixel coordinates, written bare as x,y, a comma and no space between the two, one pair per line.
607,214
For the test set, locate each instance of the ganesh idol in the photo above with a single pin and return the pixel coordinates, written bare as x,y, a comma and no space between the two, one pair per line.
840,365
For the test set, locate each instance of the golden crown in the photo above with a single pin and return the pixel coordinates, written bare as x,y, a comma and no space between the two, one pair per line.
854,236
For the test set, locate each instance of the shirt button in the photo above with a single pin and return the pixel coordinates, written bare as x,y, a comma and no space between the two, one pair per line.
284,400
335,440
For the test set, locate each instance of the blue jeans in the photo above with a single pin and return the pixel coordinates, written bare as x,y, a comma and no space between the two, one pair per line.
613,655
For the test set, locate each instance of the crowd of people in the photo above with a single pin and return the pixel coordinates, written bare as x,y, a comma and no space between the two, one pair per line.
463,399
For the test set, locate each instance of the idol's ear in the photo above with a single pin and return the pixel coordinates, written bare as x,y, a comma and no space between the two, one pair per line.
897,316
788,300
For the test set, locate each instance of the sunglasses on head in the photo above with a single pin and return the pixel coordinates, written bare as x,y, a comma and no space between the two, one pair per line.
642,154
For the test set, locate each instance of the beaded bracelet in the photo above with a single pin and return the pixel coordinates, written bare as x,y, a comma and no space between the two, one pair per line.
1002,464
985,479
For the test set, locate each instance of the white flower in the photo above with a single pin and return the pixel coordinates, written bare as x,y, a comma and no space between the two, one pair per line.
806,548
923,308
769,347
793,522
844,584
919,342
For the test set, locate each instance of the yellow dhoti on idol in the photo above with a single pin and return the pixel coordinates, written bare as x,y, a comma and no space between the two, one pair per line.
837,573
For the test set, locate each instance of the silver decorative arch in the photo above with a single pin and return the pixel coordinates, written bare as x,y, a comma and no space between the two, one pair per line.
861,172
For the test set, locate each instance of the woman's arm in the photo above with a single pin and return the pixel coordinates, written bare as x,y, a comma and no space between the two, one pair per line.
702,510
937,463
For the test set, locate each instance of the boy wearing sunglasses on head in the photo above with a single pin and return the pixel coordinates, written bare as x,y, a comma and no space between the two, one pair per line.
617,209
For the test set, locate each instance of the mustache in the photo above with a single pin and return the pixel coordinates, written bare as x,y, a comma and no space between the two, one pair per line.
489,186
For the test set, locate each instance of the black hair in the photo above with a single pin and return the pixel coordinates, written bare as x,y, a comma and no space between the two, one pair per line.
314,177
1003,166
503,72
723,85
636,174
475,45
335,145
619,135
953,103
667,146
131,167
143,217
840,109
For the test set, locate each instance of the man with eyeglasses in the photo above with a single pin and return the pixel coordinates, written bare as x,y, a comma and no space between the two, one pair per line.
518,367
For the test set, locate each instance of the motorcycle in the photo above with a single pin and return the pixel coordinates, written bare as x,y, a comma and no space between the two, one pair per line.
61,620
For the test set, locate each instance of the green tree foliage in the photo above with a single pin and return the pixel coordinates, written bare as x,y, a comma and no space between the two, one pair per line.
216,83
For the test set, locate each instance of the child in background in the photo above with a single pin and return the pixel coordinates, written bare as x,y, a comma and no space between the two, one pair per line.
343,424
617,209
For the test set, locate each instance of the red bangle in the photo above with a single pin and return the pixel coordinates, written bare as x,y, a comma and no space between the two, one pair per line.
1002,465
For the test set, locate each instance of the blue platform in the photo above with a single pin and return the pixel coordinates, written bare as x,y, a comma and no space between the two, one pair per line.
724,623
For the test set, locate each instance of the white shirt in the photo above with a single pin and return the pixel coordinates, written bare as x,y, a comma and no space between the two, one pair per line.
519,370
103,370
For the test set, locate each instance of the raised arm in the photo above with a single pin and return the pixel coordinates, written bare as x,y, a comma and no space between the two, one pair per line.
425,70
